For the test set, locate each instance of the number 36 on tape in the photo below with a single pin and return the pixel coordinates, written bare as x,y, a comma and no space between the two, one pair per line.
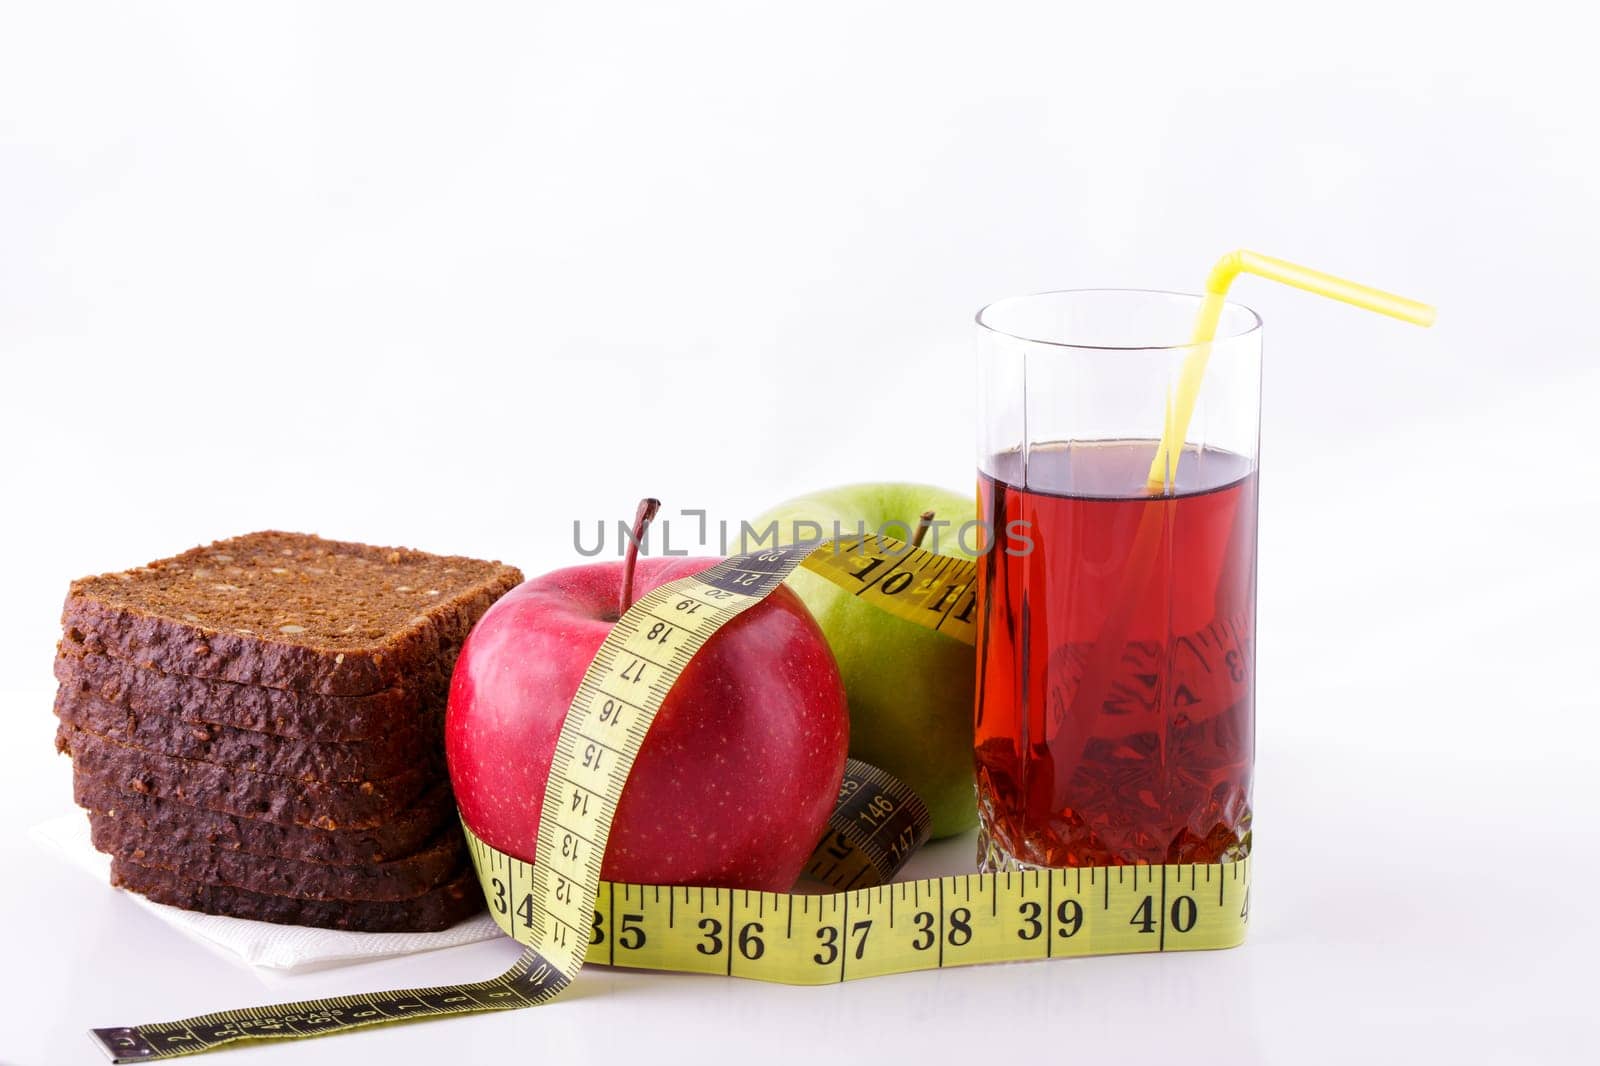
565,915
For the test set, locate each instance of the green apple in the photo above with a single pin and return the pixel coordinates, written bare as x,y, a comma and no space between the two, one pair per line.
909,688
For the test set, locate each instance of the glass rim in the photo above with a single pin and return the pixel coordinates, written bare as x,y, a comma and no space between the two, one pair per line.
1253,321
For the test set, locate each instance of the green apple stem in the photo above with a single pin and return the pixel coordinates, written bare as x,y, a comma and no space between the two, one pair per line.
924,523
641,522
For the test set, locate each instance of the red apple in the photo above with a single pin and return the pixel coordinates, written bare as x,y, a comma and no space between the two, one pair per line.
737,777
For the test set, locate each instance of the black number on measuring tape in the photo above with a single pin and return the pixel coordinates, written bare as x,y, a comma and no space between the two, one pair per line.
1235,666
659,632
860,931
873,562
686,606
713,931
1184,913
569,846
525,910
925,936
634,671
896,584
580,801
750,943
1030,911
630,934
1145,916
563,889
591,756
499,895
1069,916
938,605
611,712
960,927
597,931
829,935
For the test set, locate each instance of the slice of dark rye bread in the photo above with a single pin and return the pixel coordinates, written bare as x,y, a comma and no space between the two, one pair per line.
186,826
244,749
282,712
269,797
287,610
274,875
438,908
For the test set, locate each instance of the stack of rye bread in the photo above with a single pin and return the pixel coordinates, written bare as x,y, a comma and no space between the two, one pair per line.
257,728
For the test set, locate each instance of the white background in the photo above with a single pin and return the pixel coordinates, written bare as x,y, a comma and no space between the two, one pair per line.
454,277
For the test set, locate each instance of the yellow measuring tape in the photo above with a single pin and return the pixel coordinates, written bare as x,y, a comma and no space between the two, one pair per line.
564,914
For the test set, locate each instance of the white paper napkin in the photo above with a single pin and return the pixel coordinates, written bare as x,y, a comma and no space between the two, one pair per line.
290,948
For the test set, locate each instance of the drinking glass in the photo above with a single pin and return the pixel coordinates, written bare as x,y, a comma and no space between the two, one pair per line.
1115,705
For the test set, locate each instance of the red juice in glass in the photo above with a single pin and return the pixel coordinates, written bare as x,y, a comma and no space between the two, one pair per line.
1115,712
1115,699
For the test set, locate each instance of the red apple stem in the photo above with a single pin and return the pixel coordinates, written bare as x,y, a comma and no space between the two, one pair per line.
641,522
924,523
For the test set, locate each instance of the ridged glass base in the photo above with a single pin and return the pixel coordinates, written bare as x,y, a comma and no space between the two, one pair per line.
1221,846
994,859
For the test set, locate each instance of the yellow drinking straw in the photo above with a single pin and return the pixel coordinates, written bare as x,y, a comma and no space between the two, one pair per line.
1180,409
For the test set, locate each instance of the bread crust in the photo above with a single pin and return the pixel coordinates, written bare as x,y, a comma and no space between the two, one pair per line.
438,908
268,797
184,825
276,875
245,749
282,712
168,614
